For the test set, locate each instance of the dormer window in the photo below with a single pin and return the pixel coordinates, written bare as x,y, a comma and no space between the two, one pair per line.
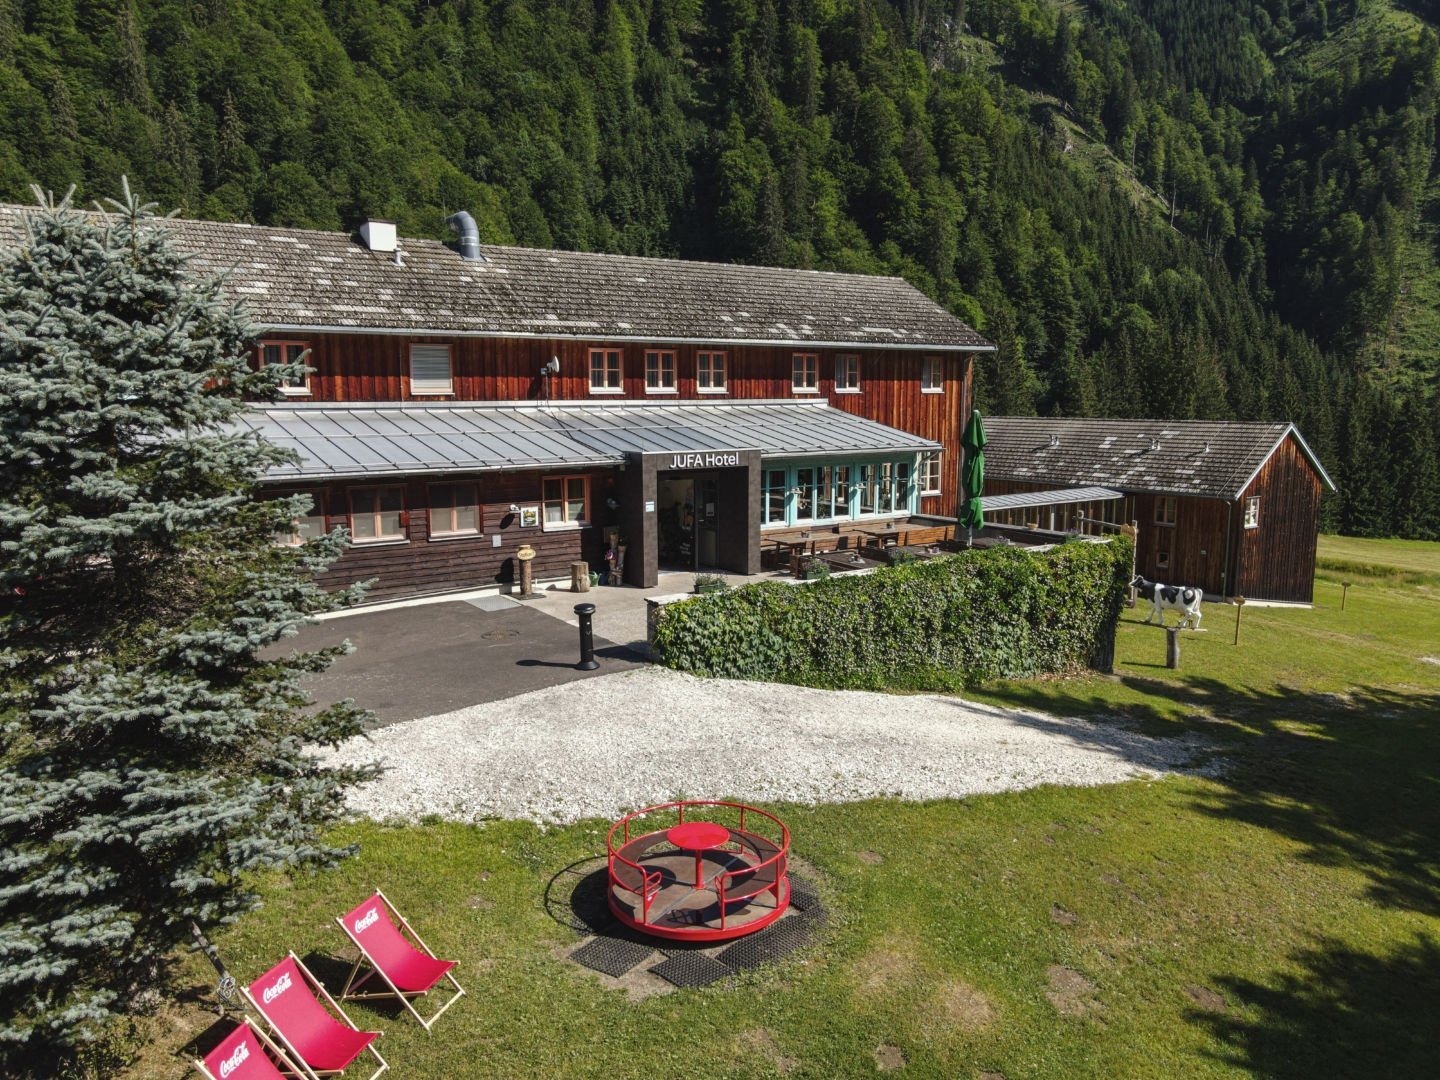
287,352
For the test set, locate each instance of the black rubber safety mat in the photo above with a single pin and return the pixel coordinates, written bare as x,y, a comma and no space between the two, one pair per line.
802,896
612,956
772,943
691,969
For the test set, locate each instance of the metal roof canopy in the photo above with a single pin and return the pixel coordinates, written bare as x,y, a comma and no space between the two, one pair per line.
400,438
1023,500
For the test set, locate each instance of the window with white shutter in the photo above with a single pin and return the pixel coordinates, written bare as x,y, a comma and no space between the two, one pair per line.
430,369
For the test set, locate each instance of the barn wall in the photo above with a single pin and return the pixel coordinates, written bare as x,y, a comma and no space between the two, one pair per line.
1276,560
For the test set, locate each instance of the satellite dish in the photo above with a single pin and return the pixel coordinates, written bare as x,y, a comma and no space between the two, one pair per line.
553,367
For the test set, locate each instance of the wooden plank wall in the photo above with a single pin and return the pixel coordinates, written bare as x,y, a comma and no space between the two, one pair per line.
418,564
1195,543
375,367
1276,561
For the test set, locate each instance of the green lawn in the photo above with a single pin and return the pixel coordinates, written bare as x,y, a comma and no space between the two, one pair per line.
1284,919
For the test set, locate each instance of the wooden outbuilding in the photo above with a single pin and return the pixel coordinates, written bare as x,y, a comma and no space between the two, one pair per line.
1233,507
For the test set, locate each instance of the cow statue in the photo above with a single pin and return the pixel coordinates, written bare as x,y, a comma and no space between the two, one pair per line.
1165,598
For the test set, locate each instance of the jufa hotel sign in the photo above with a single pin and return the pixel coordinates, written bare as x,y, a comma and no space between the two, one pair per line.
722,460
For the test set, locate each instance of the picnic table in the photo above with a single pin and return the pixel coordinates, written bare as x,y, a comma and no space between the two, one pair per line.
847,560
885,534
919,551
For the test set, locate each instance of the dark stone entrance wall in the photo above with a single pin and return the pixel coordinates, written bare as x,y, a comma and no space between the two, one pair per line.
738,492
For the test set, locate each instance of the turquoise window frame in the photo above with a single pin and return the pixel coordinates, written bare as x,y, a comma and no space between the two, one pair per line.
818,469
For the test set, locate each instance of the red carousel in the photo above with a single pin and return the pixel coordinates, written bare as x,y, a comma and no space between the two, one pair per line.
699,879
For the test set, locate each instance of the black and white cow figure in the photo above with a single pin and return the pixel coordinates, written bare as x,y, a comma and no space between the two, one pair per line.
1163,598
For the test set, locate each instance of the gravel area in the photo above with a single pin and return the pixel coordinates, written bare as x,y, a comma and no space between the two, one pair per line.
600,747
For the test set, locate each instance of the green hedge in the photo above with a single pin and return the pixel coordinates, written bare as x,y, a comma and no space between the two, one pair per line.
933,625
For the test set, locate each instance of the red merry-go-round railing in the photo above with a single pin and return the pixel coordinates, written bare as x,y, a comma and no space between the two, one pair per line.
707,878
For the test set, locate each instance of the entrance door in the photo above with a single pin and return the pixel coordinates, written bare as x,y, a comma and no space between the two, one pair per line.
707,523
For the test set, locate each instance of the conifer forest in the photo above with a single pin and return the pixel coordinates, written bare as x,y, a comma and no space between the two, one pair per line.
1162,208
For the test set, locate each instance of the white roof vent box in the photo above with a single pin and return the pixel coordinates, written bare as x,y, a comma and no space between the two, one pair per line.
378,235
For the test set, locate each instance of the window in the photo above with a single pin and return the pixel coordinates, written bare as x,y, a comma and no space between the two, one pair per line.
805,373
932,376
775,492
847,374
901,490
867,489
377,513
1252,512
287,352
804,494
605,371
710,373
841,490
430,369
660,373
1165,510
1162,560
454,510
930,474
567,502
308,525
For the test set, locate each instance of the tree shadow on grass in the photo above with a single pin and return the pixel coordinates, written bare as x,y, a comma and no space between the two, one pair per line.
1354,777
1339,1013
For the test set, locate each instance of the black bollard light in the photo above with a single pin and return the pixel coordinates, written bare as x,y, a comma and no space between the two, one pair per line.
587,638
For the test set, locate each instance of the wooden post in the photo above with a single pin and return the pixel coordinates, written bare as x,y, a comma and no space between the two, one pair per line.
579,577
1172,646
527,572
1133,532
1239,606
1344,592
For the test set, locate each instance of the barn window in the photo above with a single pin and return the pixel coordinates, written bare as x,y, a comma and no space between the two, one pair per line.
430,369
932,378
1252,512
605,372
454,510
660,372
377,513
710,372
287,352
1162,560
805,373
930,472
1165,510
847,374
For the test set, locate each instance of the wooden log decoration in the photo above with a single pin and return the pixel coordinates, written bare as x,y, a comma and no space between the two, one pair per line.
1239,602
525,556
1172,646
579,577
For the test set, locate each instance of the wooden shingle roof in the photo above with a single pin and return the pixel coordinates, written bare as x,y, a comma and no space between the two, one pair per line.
302,279
1209,458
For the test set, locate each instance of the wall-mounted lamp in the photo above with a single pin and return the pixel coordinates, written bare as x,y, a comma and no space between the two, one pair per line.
514,509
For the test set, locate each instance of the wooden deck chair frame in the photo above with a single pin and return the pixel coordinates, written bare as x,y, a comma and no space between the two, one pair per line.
352,984
304,1067
285,1064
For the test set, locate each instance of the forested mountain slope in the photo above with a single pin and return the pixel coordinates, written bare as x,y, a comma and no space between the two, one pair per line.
1170,208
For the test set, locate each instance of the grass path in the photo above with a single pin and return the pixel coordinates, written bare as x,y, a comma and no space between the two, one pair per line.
1283,919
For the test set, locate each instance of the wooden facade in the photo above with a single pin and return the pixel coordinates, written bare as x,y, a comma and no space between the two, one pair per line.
1193,540
369,367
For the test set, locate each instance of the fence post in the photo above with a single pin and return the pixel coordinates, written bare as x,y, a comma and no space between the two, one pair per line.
1344,592
1239,606
1172,646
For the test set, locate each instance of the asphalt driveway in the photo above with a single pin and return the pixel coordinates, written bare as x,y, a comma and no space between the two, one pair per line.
436,658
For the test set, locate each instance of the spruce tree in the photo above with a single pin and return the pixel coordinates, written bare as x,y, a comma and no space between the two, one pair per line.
153,753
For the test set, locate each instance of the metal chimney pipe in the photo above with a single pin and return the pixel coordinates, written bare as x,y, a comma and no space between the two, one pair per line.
469,232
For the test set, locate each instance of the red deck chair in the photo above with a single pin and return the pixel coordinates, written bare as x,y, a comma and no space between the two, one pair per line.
408,968
286,996
242,1056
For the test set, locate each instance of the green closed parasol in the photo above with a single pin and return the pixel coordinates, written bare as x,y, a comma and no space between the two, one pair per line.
972,473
